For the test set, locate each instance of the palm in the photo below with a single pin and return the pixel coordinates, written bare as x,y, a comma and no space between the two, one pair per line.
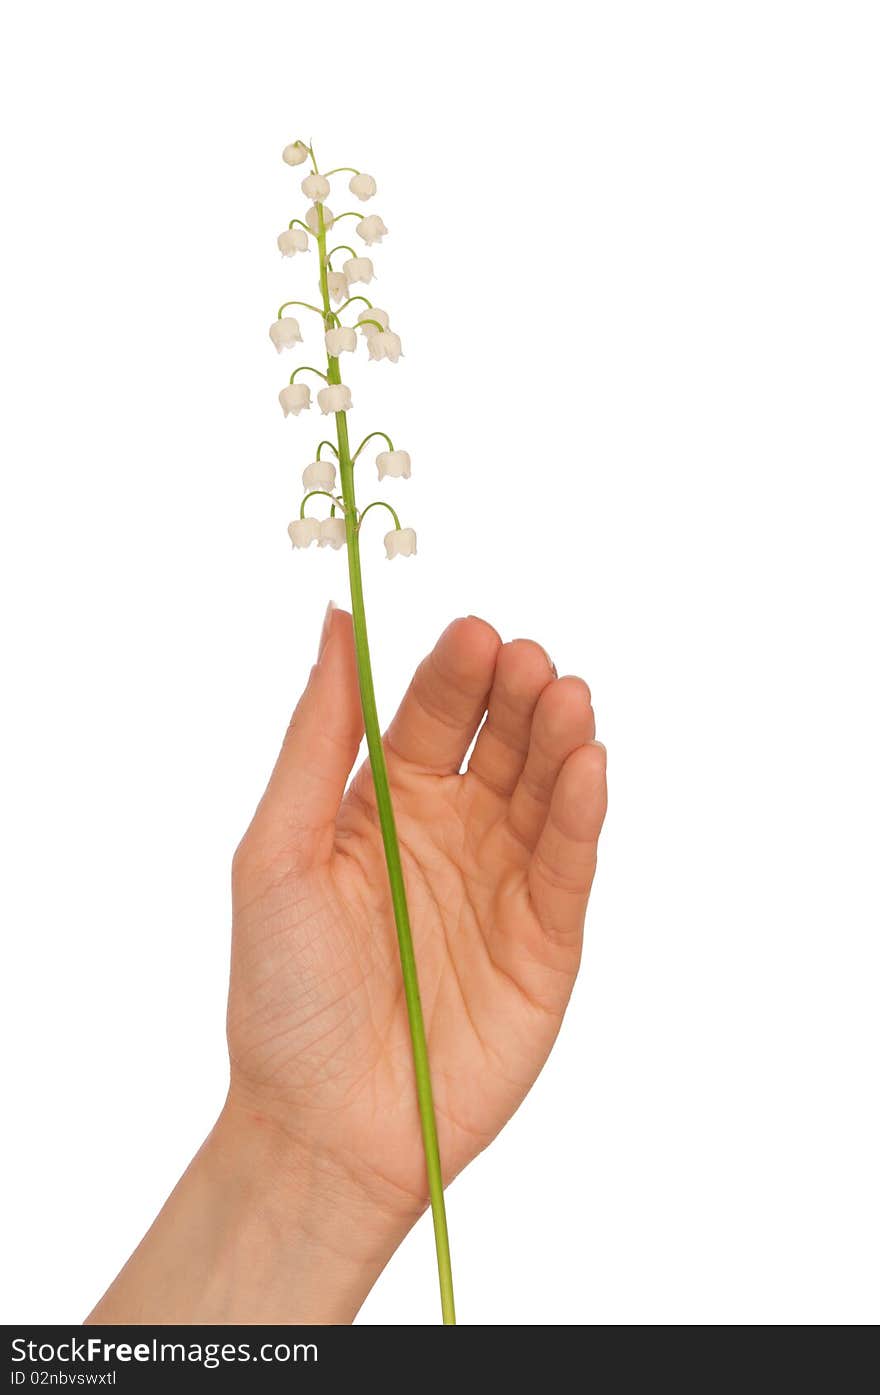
496,890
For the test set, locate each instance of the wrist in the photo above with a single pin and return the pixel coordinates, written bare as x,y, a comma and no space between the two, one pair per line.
323,1231
260,1229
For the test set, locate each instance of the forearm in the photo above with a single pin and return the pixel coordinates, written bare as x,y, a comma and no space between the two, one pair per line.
255,1232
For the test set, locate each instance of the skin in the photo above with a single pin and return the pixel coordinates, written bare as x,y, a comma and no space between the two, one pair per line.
314,1172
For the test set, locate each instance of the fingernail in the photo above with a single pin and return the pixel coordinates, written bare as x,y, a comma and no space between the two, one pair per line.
325,629
553,669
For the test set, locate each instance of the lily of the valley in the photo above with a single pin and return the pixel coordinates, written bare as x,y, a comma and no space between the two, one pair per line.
373,313
338,291
400,542
326,532
295,398
334,398
315,187
363,186
312,217
341,340
337,285
393,463
303,531
371,229
384,344
295,154
358,269
332,532
321,474
284,333
293,240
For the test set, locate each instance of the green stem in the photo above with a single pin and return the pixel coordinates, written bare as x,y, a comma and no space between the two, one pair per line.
385,809
307,368
311,494
352,299
379,504
304,303
383,434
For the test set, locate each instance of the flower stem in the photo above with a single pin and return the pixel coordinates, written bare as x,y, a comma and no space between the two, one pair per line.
351,300
383,434
385,810
311,494
307,368
304,303
380,504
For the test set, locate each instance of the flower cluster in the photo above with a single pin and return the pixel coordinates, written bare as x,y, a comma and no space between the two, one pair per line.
371,327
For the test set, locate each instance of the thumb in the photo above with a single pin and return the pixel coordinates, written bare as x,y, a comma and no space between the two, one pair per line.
302,799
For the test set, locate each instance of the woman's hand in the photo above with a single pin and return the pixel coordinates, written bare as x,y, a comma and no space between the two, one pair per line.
498,862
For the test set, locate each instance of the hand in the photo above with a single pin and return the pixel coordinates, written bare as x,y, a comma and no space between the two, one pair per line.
498,863
314,1172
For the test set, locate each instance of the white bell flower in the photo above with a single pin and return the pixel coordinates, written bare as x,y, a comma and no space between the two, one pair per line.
295,154
337,285
315,187
371,229
303,531
384,344
334,398
400,542
295,398
393,463
373,314
284,333
358,269
312,217
341,340
363,186
321,474
293,240
332,532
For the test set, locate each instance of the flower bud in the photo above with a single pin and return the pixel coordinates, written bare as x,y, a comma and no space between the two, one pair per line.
284,333
321,474
340,341
337,285
295,398
373,313
295,154
358,269
293,240
315,187
303,531
334,398
363,186
393,463
312,218
384,344
400,542
332,532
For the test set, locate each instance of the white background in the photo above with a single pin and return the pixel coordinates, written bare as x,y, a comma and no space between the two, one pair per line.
634,262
